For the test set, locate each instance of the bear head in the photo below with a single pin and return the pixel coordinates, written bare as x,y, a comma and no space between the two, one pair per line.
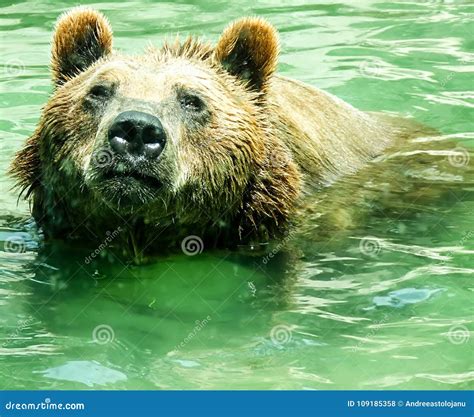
179,135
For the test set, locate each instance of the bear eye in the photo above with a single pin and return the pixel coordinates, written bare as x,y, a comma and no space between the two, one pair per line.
100,91
192,102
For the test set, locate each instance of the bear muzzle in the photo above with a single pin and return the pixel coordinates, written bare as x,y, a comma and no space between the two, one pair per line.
135,134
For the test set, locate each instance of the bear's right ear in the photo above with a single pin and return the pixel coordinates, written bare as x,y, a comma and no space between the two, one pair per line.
248,49
82,36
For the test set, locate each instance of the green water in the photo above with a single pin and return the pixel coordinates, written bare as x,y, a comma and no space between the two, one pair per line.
389,306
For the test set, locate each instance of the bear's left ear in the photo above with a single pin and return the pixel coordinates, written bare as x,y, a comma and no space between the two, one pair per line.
82,36
248,49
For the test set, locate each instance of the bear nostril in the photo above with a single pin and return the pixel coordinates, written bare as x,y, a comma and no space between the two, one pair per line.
153,139
152,134
127,130
122,136
118,144
137,133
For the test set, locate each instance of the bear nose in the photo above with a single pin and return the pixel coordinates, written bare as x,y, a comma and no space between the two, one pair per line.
137,133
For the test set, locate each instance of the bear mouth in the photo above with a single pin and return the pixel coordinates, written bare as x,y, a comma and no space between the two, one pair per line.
133,176
128,190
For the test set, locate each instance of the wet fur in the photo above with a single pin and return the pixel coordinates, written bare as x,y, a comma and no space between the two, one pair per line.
284,140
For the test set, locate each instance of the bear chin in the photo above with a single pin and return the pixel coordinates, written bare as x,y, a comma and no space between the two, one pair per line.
130,190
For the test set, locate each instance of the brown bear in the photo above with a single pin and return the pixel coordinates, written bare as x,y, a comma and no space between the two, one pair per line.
188,139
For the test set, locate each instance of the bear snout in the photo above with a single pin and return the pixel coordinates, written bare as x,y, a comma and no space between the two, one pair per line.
137,134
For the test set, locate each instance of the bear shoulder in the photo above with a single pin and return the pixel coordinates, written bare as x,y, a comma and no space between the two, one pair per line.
326,136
